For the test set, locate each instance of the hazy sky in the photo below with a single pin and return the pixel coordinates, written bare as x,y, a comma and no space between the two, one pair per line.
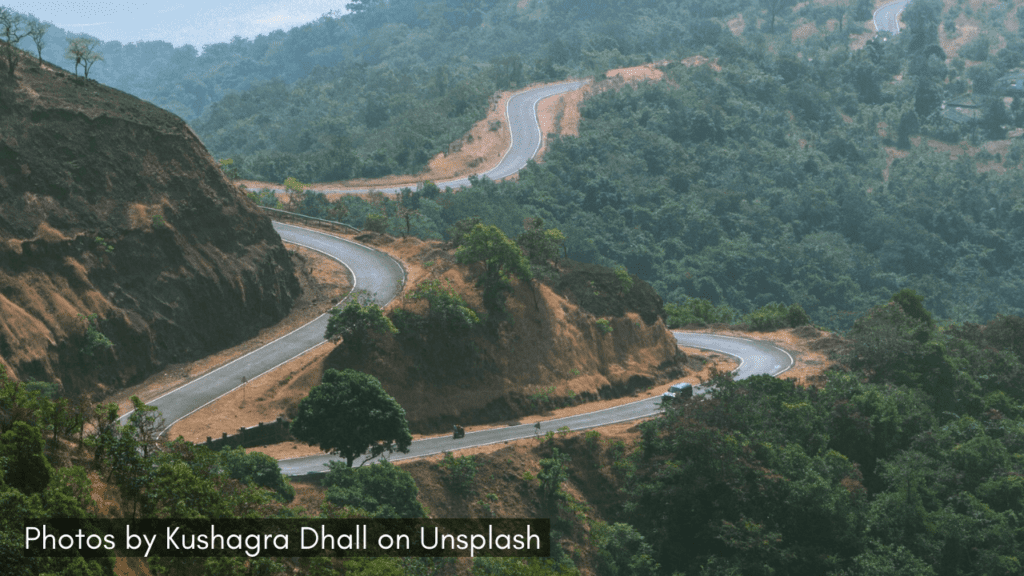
179,22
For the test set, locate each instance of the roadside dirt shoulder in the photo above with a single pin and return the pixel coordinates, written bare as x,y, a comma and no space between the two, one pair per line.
324,282
810,348
701,362
478,151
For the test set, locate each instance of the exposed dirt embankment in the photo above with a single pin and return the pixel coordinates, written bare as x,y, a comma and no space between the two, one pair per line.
111,206
552,351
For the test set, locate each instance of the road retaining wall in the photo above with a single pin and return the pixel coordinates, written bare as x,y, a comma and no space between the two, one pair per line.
262,434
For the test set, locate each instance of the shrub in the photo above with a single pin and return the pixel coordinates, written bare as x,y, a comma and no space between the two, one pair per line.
553,472
773,316
625,280
258,469
356,321
796,316
384,490
376,223
604,325
459,473
502,259
698,311
540,246
103,245
94,339
977,49
265,197
449,315
456,232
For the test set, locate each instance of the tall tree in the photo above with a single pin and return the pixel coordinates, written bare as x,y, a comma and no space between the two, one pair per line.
501,259
37,30
11,32
540,246
83,51
922,18
774,7
348,414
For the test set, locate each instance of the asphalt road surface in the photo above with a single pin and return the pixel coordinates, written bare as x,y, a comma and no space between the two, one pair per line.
382,277
521,115
374,273
886,17
756,357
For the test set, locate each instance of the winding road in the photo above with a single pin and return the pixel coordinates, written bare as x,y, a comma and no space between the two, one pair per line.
756,357
521,116
373,272
886,18
383,278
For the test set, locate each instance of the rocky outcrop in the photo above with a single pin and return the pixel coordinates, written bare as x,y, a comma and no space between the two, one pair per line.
110,206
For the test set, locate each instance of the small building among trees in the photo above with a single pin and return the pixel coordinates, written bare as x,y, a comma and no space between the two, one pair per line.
964,109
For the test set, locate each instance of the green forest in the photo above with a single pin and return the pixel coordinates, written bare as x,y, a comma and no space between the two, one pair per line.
770,182
386,86
803,176
905,461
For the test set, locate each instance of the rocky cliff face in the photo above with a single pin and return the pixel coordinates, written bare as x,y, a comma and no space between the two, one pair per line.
110,206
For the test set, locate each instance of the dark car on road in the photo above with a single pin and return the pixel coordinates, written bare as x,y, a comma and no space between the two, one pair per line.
680,391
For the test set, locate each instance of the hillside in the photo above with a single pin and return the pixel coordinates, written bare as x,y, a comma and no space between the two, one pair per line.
550,352
110,206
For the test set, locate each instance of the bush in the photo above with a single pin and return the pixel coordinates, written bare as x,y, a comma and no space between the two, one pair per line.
457,232
265,197
356,321
774,316
94,339
502,259
449,315
977,49
258,469
625,280
796,316
21,453
621,549
376,223
384,490
553,472
541,246
459,473
698,311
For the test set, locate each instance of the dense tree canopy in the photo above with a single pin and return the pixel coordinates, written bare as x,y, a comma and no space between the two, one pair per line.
881,471
770,181
382,490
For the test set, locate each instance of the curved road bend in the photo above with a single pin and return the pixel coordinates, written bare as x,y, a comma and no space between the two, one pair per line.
383,277
886,18
372,271
521,116
755,356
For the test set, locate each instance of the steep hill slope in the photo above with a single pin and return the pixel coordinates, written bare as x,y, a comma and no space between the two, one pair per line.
111,206
570,338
